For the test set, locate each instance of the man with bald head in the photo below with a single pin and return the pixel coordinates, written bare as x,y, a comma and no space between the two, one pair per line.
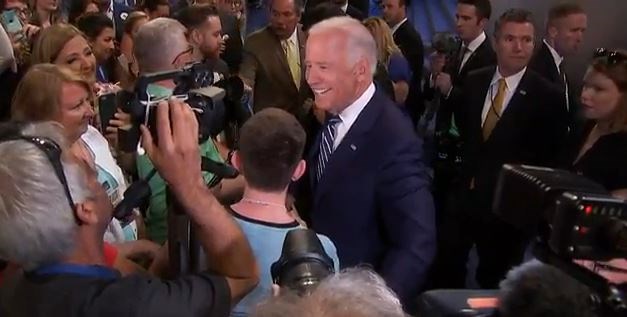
371,190
273,61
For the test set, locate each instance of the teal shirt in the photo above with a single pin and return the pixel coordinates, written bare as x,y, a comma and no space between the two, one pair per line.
157,216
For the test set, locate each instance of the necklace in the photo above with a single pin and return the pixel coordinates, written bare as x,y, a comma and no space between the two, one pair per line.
261,202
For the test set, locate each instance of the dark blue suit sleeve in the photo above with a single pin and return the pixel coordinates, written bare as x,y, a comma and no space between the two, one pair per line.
408,217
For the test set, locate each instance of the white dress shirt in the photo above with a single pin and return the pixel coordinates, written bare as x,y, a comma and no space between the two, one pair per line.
294,39
349,115
512,84
471,48
344,7
398,25
556,56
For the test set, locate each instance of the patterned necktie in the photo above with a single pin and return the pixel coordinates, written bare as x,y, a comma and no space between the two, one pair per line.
326,144
496,108
293,61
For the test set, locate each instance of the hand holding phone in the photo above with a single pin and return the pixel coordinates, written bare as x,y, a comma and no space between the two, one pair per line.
12,23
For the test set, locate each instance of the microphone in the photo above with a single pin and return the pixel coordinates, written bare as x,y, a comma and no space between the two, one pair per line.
220,170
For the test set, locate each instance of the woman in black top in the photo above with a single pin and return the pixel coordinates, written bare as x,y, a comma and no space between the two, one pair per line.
602,155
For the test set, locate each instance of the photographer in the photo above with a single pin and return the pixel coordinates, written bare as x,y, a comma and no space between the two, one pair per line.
161,45
271,147
65,276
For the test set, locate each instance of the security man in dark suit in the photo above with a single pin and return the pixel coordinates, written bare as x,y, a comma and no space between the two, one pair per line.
566,25
506,114
409,41
446,79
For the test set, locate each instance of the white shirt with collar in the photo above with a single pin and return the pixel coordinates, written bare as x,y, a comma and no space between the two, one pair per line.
512,84
556,56
294,39
344,7
471,48
349,115
558,61
398,25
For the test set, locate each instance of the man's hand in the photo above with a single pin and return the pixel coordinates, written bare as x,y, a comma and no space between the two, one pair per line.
176,156
437,63
120,119
443,83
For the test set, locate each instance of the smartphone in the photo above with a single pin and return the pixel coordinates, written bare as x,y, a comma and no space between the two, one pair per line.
106,109
11,22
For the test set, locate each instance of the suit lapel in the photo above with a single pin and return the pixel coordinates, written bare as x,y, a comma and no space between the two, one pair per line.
350,147
279,54
550,64
473,57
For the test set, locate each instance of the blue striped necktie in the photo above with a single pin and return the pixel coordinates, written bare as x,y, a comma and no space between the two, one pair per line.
326,144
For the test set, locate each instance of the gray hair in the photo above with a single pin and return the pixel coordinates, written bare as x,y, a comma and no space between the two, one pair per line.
157,43
359,41
37,224
357,292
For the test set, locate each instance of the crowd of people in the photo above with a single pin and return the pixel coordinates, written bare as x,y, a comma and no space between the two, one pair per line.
333,144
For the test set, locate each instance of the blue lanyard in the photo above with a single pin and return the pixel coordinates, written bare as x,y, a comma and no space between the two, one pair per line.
77,269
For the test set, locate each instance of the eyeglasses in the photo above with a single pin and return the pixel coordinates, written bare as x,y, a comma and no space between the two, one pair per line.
187,51
612,57
53,153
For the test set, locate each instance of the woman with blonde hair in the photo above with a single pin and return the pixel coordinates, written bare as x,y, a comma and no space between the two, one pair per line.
65,97
390,56
45,12
65,45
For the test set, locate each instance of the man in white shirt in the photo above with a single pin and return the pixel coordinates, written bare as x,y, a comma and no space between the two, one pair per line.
566,25
370,188
506,114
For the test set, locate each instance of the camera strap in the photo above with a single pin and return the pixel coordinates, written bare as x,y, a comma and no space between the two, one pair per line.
98,271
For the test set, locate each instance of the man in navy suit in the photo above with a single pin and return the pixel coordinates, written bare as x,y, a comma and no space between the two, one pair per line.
371,190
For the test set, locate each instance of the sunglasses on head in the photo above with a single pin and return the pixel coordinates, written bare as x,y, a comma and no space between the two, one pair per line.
612,57
53,153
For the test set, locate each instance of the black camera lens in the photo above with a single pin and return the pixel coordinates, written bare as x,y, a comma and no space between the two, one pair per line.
303,262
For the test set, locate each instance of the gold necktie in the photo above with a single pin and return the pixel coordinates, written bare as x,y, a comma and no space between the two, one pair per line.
293,61
496,108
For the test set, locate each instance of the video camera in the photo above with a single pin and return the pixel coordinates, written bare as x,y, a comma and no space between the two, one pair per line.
572,217
446,43
217,102
218,107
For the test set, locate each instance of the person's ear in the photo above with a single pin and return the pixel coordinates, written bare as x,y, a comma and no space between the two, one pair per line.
361,68
236,161
299,170
195,37
87,212
552,31
483,23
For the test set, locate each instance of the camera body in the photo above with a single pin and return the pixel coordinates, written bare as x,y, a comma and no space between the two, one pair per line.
216,101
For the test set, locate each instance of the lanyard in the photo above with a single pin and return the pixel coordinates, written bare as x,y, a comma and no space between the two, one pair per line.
77,269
